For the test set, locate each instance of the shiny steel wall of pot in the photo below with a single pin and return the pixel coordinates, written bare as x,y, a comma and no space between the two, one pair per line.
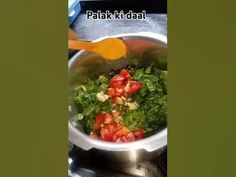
144,48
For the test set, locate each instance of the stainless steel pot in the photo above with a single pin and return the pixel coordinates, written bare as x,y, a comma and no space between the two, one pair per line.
144,48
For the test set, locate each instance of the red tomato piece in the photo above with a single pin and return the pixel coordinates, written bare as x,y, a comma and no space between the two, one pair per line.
99,121
130,137
118,140
111,92
118,85
121,132
124,139
105,134
124,73
108,118
139,134
117,79
108,130
112,127
119,91
134,87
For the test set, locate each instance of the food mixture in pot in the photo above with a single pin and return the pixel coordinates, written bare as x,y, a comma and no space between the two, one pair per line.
123,106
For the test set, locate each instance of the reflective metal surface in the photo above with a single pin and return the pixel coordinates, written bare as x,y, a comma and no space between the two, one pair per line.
144,48
90,164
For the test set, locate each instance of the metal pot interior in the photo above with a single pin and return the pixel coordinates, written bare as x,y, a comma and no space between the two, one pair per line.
142,50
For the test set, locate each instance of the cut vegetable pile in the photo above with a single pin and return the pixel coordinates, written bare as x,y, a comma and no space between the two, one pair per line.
125,106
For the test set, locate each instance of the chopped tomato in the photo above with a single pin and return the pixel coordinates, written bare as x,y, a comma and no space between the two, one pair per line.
112,127
118,85
116,91
109,128
124,73
134,87
108,118
118,140
119,91
121,132
117,79
116,114
99,121
130,137
119,88
127,87
111,92
105,134
139,134
124,139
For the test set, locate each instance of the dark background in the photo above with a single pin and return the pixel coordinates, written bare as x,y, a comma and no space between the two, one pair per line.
151,6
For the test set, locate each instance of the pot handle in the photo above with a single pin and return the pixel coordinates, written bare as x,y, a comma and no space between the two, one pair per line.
153,144
78,140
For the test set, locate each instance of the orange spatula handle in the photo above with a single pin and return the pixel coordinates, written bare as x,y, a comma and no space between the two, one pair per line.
80,45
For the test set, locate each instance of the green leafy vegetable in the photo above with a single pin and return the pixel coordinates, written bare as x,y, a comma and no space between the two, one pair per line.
87,104
151,112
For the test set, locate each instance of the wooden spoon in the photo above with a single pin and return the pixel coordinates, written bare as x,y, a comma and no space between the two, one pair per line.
111,48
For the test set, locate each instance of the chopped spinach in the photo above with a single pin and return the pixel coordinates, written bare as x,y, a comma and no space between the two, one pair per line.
151,113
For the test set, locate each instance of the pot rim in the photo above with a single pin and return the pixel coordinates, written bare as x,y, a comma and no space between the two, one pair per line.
154,142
